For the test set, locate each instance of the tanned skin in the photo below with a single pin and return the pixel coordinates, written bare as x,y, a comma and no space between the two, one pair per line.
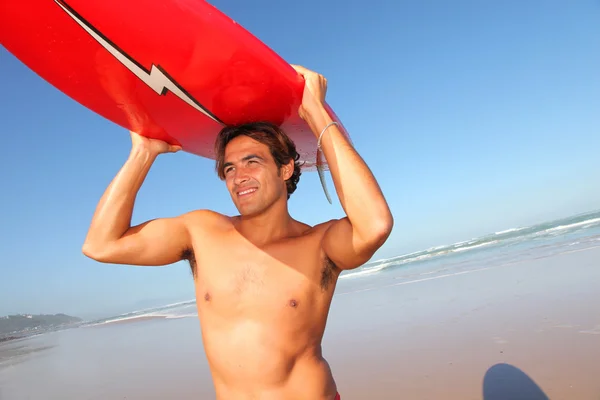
263,281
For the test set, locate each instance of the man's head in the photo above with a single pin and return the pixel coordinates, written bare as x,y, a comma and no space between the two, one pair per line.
259,163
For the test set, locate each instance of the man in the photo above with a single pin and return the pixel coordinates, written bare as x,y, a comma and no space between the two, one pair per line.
263,281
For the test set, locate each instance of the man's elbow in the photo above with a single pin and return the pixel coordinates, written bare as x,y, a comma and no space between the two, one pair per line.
95,252
378,232
382,229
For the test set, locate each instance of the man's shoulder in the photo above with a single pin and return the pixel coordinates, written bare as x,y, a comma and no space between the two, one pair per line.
321,228
205,218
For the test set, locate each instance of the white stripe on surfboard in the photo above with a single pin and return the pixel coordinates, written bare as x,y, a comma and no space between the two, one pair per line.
156,79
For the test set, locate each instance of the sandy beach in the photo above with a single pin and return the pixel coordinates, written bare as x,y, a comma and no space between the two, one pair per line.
527,330
519,328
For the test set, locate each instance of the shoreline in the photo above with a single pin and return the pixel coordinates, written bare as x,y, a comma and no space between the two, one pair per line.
127,320
11,338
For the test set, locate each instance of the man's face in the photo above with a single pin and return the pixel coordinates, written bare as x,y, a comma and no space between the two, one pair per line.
252,177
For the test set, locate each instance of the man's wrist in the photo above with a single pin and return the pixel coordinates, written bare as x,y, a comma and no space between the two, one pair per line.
318,119
143,153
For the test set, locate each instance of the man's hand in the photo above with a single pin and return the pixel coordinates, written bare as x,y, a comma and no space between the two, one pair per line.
315,88
154,146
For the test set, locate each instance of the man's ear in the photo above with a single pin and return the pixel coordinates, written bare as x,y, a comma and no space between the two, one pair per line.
288,170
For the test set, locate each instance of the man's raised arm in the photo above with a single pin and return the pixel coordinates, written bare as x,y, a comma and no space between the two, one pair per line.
111,239
351,241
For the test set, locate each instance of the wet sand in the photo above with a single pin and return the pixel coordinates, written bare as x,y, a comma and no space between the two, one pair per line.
524,331
527,330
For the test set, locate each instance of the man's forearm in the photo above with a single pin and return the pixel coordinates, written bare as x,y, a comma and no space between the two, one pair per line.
357,188
112,217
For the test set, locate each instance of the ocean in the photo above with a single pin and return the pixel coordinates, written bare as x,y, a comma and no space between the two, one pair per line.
518,244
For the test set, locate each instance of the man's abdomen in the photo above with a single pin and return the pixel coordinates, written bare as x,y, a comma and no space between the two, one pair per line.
251,357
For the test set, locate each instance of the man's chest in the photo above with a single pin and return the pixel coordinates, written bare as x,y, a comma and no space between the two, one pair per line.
233,274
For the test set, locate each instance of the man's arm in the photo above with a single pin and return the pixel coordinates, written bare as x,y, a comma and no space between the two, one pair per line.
350,241
111,239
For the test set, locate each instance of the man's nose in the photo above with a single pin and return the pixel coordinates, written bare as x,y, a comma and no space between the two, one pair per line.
241,175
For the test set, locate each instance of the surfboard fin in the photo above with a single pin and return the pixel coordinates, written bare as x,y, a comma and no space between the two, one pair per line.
321,172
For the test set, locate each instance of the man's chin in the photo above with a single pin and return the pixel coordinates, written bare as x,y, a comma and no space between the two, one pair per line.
248,214
247,210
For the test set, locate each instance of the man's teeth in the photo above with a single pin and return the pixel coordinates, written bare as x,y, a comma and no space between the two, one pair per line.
246,191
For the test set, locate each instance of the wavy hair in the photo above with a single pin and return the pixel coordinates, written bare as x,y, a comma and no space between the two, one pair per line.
282,148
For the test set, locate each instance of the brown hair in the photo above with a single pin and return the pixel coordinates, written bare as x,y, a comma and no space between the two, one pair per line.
281,146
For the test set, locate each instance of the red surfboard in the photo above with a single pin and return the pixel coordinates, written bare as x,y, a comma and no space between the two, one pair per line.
177,70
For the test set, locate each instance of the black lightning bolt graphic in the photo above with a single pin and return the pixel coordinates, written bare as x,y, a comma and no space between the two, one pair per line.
157,79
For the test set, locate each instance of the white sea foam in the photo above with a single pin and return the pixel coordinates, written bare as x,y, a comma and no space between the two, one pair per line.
589,222
172,310
116,319
461,249
509,231
438,247
458,244
366,271
145,310
177,314
190,315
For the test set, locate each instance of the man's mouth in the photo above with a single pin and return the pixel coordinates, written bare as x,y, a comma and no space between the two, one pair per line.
246,192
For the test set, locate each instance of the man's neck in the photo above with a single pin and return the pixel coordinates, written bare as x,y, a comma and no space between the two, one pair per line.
272,225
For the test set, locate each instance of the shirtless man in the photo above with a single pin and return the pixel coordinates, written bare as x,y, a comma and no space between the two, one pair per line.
263,281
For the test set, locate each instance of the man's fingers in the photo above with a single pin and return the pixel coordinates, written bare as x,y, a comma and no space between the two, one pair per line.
173,148
300,69
305,72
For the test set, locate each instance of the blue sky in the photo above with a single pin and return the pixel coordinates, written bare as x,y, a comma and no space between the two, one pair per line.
474,116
